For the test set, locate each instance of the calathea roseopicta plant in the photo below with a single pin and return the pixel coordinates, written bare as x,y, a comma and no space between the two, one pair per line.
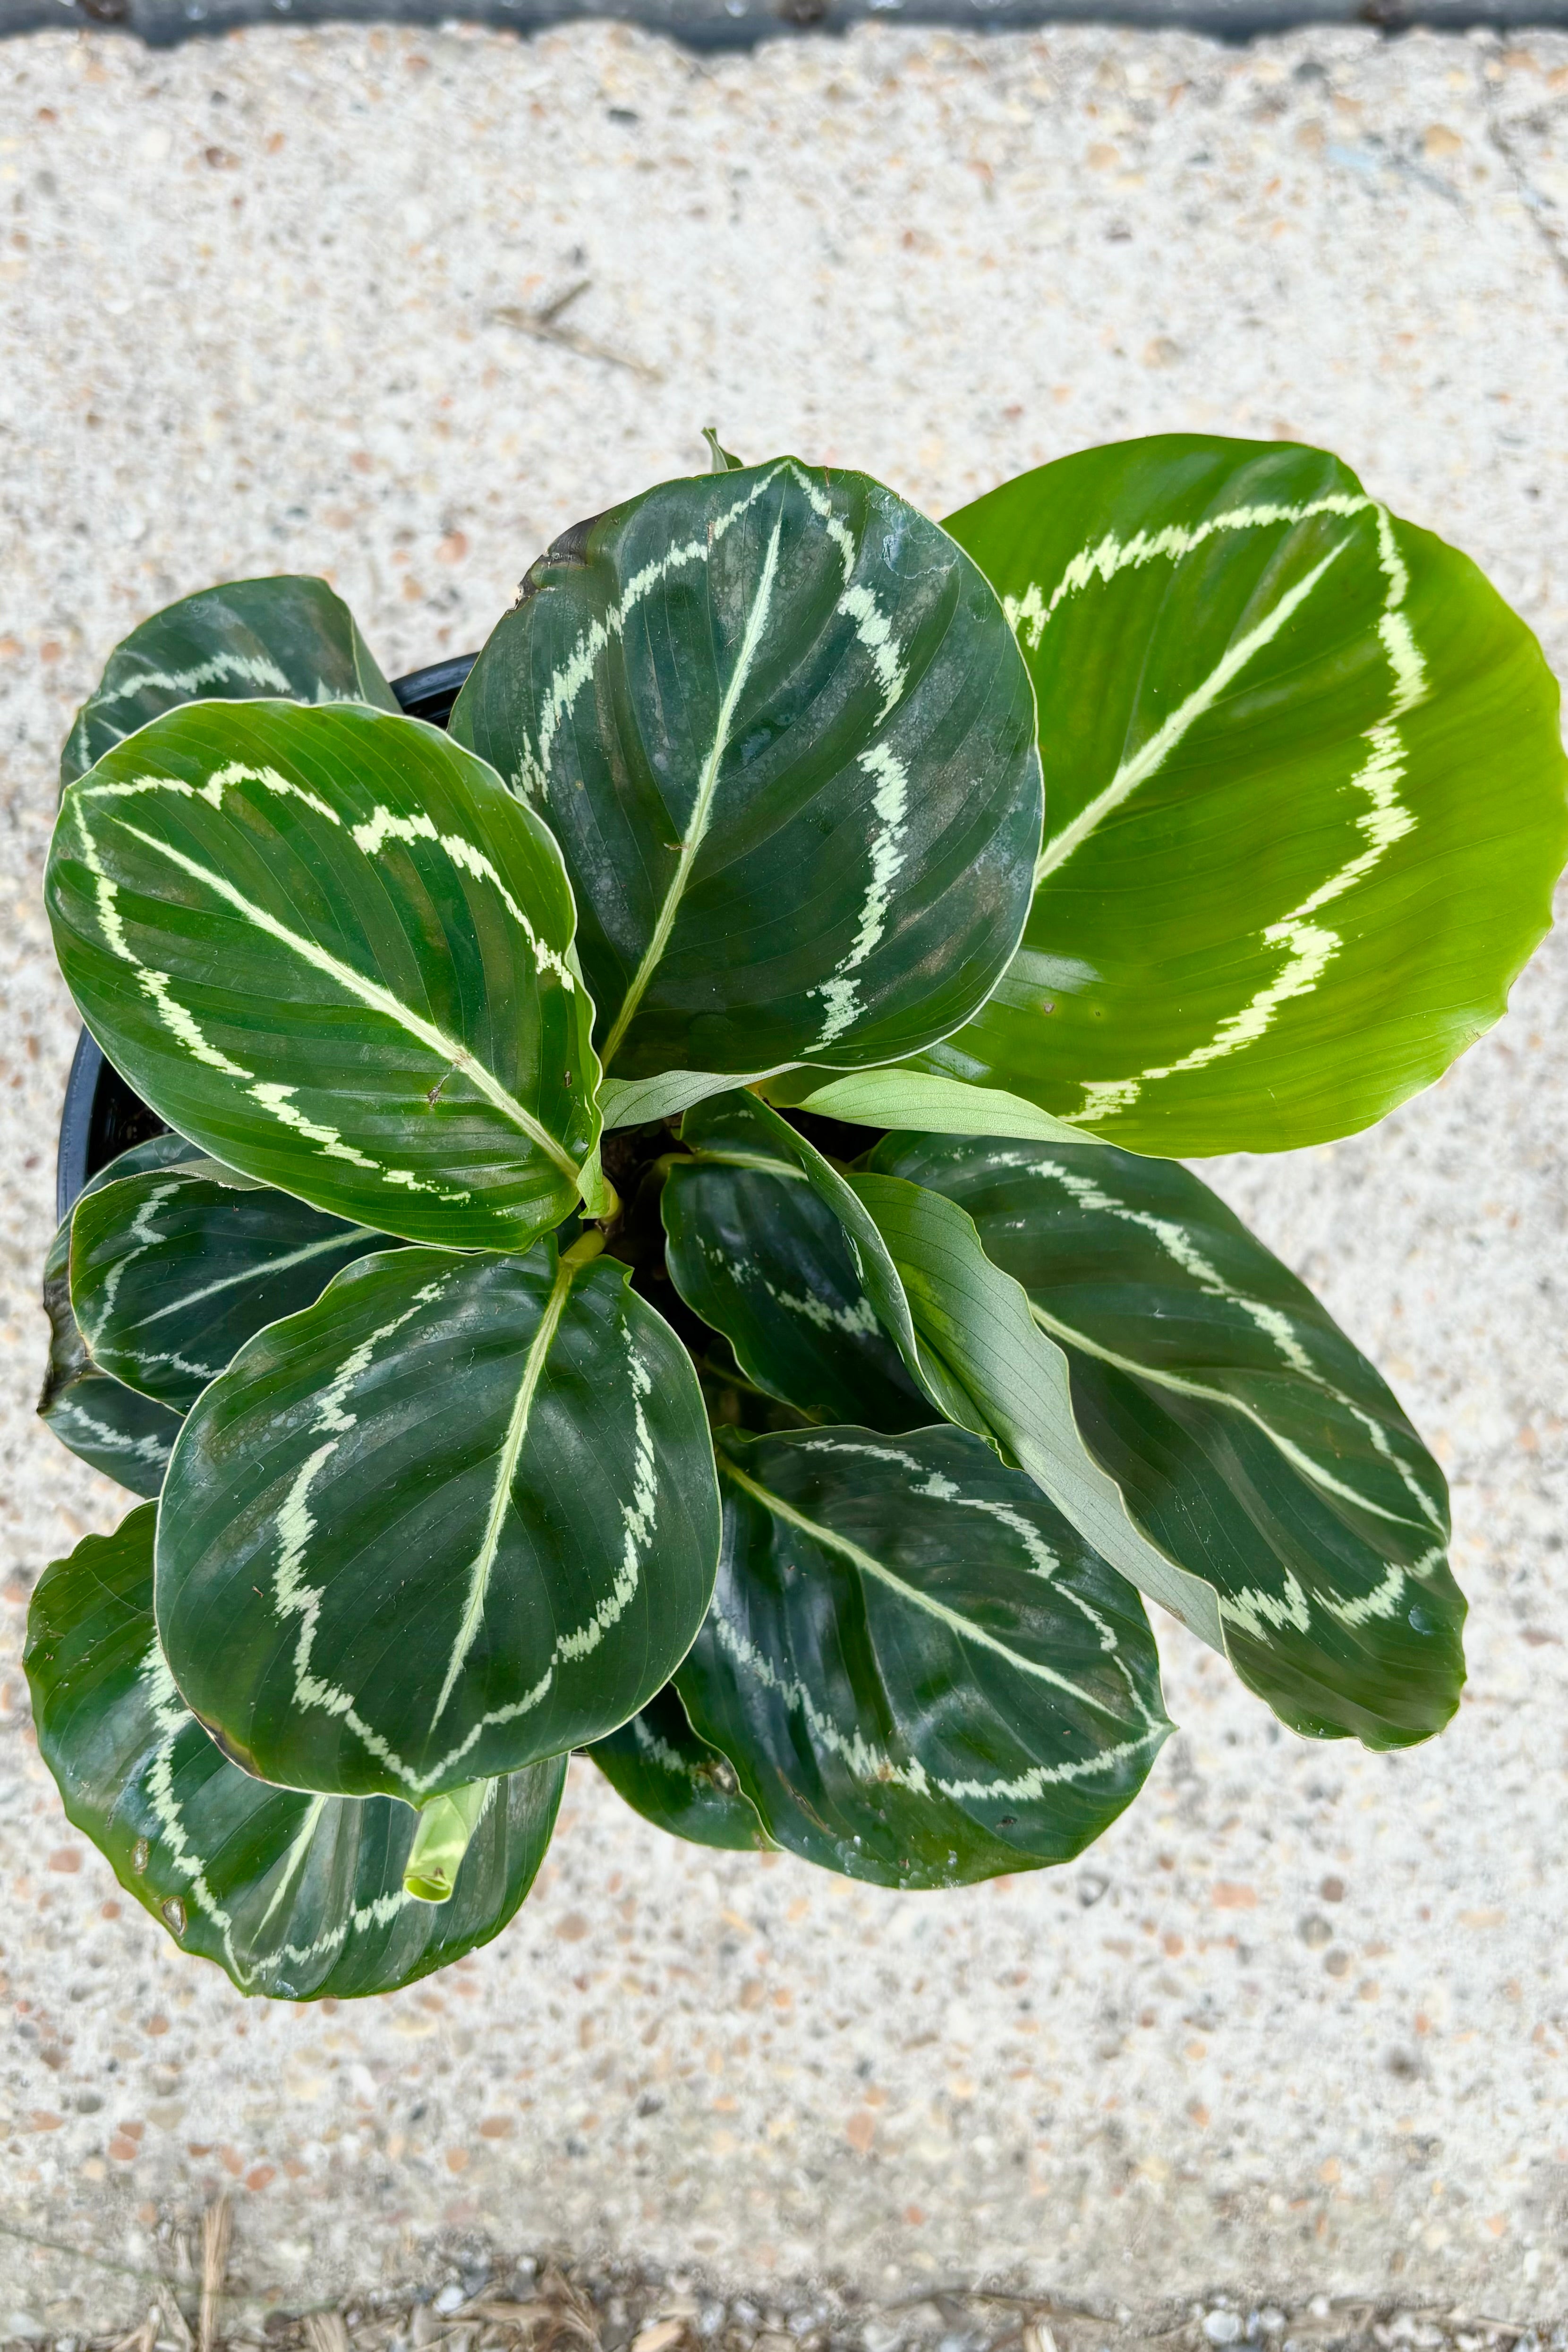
669,1241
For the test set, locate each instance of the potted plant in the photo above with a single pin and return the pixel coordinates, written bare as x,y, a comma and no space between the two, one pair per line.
665,1234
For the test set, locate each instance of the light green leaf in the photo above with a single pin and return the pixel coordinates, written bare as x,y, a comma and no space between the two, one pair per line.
921,1673
1252,1442
171,1272
996,1372
783,734
906,1098
127,1436
328,946
769,1246
636,1102
294,1897
289,635
458,1516
678,1782
1306,797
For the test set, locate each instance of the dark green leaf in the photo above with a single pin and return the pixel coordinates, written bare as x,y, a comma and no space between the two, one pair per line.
1252,1442
294,1897
171,1273
458,1516
289,636
992,1371
764,1238
1305,788
126,1437
922,1675
676,1780
779,725
330,948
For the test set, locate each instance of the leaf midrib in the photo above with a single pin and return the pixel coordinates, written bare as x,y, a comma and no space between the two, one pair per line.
1184,1386
702,807
868,1565
261,1271
371,993
500,1493
1148,760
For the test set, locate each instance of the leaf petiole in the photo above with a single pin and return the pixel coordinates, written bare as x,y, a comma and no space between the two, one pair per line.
445,1824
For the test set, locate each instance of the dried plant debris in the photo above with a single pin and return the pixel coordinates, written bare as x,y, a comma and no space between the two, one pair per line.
472,2301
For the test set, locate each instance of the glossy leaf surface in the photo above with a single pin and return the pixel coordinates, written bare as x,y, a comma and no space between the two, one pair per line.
1253,1444
127,1436
289,635
172,1272
923,1100
1306,797
678,1782
994,1370
458,1516
766,1243
328,946
294,1897
922,1675
780,728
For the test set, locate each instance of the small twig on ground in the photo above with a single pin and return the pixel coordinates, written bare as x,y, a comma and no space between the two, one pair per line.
177,2324
545,326
325,2331
216,2222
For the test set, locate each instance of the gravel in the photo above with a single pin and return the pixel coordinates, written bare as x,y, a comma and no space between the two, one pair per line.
1298,2027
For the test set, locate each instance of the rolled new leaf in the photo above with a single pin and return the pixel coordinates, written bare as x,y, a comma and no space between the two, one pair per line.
904,1096
294,1897
767,1243
678,1782
329,946
127,1436
457,1516
1252,1443
922,1675
777,722
289,636
1306,791
172,1271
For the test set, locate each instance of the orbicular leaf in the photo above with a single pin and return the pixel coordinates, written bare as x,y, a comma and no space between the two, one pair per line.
329,946
458,1516
294,1897
678,1782
994,1370
1306,797
289,636
127,1436
1253,1444
921,1673
777,722
767,1243
172,1272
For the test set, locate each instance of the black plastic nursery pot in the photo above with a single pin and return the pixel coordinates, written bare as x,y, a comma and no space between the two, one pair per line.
104,1115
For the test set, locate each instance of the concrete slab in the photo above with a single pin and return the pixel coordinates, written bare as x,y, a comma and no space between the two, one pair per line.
1302,2022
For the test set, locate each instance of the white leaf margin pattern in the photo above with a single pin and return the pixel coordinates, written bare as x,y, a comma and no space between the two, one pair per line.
875,631
172,1718
368,838
1308,945
294,1596
1256,1608
862,1759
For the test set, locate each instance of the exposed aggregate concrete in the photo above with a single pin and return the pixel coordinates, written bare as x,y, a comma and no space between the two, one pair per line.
1300,2023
